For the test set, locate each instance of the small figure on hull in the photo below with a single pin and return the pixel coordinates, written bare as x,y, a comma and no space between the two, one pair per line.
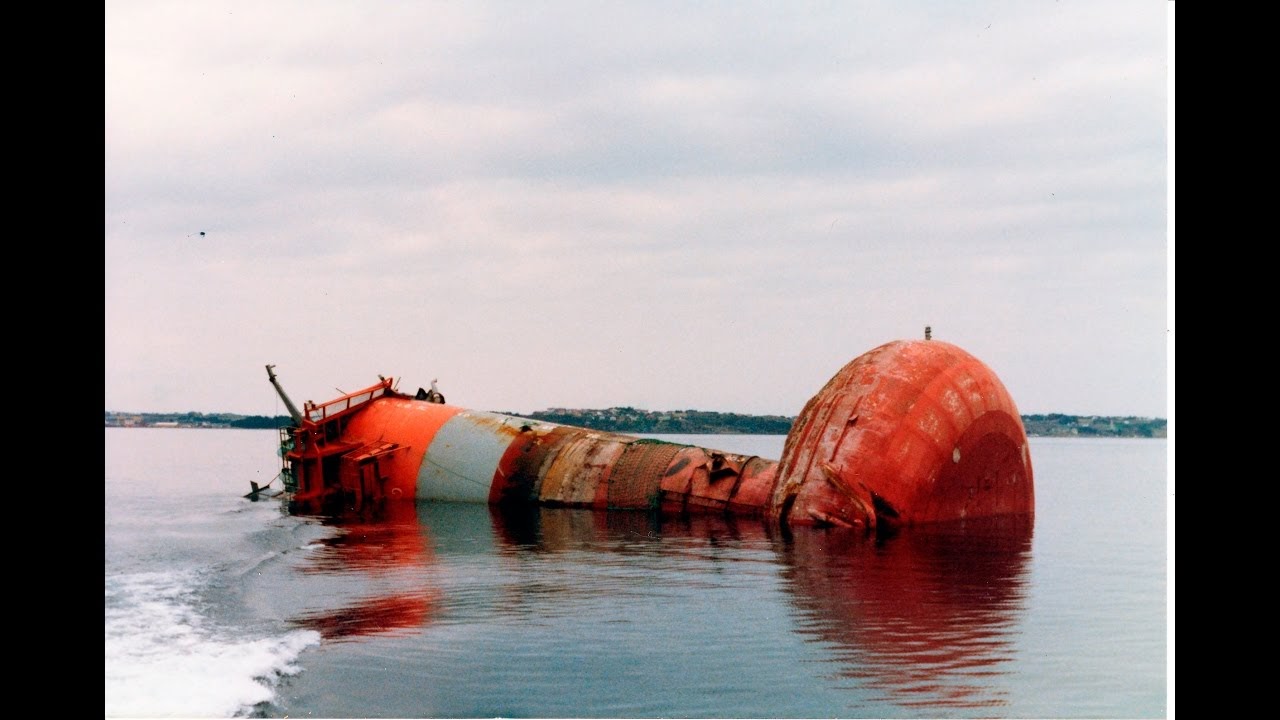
432,396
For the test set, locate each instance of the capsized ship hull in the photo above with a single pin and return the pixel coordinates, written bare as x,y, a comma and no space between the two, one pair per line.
910,432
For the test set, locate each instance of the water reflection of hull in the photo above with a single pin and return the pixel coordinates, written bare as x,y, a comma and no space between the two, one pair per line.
396,614
387,543
925,619
928,618
565,528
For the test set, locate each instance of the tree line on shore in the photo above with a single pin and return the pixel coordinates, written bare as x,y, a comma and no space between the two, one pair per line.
675,422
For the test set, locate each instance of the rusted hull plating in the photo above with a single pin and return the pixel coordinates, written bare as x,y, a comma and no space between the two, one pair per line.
911,432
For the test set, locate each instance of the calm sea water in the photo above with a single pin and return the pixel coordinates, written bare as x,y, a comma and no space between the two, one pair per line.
217,606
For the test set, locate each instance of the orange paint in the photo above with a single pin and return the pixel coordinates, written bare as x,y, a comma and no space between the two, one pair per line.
909,433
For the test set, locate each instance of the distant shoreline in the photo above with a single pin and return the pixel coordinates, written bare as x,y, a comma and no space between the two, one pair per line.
673,422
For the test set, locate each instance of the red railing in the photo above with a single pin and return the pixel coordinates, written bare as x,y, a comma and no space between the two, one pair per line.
333,409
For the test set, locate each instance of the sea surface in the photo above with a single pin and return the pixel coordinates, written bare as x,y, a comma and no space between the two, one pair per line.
218,606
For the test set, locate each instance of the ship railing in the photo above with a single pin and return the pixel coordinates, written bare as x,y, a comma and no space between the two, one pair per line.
333,409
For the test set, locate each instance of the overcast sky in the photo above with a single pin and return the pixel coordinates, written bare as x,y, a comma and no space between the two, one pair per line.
666,205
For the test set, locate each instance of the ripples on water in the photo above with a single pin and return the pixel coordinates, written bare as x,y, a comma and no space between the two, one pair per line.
635,615
433,610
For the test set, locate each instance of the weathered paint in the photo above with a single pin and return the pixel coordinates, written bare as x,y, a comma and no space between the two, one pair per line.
460,461
635,480
518,478
910,432
410,423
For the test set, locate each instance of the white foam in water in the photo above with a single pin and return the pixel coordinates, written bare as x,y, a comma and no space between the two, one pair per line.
162,662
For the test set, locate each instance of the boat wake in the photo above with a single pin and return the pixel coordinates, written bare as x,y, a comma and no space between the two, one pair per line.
165,658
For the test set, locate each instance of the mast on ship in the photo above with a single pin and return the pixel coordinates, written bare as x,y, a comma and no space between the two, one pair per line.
293,409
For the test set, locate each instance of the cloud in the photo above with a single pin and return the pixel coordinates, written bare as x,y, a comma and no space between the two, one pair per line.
665,205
